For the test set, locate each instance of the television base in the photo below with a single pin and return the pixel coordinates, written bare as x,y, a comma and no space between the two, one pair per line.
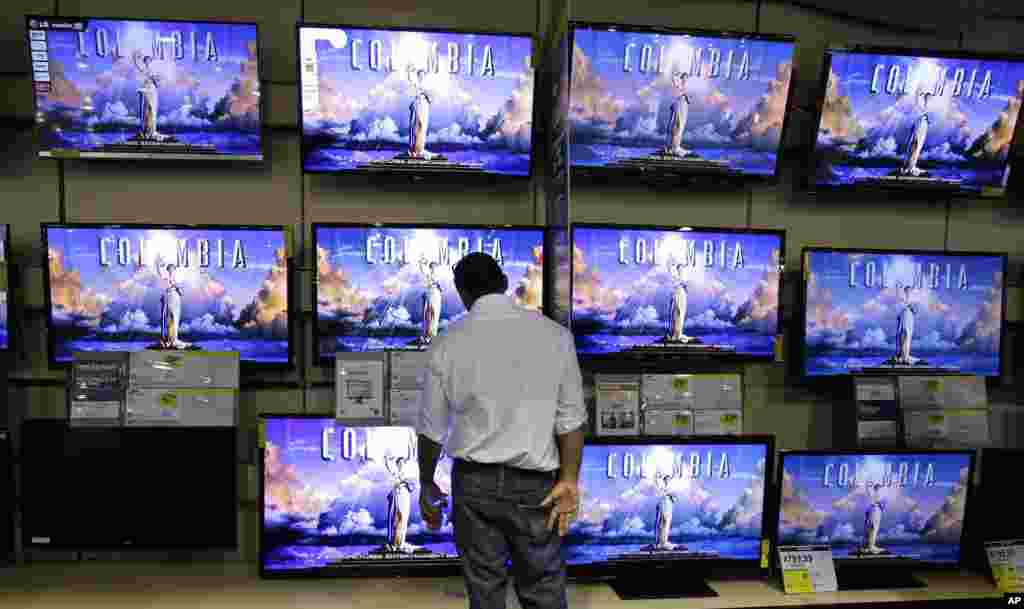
637,588
877,578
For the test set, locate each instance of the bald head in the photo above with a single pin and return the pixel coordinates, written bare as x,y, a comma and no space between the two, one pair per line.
478,275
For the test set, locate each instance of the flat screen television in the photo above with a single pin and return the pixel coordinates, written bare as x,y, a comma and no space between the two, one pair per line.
903,312
130,287
344,501
417,101
661,100
391,286
646,290
882,512
657,513
994,517
5,295
131,488
108,88
908,119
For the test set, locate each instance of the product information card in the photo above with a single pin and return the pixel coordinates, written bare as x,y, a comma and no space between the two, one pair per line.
807,569
359,388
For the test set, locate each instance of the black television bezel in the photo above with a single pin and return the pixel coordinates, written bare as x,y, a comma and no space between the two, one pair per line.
582,171
802,330
6,236
456,176
323,361
606,569
440,568
47,295
853,562
810,178
619,356
223,158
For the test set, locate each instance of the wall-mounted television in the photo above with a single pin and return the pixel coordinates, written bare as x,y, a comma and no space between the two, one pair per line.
131,287
138,488
692,102
904,312
907,119
657,513
645,290
389,100
344,501
391,287
108,88
5,294
882,512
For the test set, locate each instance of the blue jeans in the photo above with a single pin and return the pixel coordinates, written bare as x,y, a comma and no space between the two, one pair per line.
497,518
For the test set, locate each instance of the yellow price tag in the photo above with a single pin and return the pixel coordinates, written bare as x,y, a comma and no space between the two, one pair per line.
934,386
681,384
681,420
168,400
289,241
936,419
797,581
765,549
261,434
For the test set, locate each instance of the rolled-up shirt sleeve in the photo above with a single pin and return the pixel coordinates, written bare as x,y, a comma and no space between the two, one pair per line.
571,412
433,419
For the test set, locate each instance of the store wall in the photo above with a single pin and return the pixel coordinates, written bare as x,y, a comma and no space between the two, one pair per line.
34,191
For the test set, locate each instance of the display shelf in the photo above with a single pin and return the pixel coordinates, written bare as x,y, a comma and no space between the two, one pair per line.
54,585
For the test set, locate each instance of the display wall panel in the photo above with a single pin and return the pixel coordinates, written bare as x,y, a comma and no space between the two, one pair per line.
275,19
997,35
462,14
13,51
990,224
159,193
701,14
659,204
16,103
866,220
360,199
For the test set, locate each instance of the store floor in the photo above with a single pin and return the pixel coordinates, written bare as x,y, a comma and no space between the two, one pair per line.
115,585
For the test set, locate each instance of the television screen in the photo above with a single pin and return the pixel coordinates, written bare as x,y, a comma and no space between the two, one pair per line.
907,506
669,501
120,88
5,338
918,120
392,287
135,287
391,100
675,290
909,312
338,497
136,488
677,101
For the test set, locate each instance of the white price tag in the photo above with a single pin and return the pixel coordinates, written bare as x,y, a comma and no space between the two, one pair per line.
1006,559
807,569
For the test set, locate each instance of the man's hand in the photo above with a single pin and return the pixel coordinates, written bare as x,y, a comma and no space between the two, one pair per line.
432,503
563,500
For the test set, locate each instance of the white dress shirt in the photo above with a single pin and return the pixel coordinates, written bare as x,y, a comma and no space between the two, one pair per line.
502,382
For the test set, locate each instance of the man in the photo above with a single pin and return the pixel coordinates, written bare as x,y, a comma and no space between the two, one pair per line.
504,396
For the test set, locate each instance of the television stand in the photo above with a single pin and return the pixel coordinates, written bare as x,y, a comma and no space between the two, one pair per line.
654,582
876,578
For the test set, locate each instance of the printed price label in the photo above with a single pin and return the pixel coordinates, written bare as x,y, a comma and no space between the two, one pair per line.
1004,558
807,569
681,420
681,384
168,400
730,423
